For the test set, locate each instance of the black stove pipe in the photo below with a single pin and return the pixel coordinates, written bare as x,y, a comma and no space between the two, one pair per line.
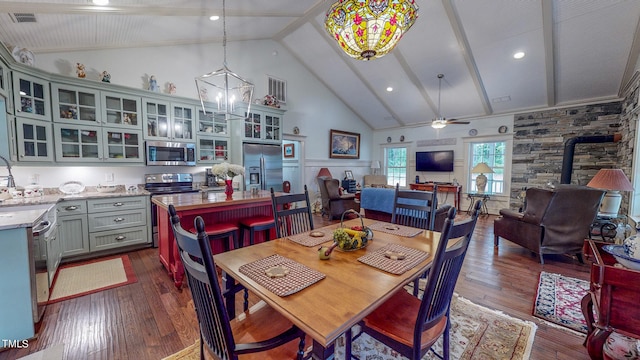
569,149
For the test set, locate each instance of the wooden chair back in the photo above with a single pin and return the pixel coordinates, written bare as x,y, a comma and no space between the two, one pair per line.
415,208
293,220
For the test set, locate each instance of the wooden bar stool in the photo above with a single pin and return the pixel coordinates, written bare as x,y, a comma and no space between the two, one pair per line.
221,231
253,224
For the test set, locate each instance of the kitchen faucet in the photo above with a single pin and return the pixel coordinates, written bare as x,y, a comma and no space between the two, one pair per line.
10,182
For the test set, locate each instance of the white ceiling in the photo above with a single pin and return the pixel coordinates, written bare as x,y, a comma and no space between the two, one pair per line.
576,50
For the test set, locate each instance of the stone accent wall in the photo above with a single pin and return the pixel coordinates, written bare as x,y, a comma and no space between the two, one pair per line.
539,139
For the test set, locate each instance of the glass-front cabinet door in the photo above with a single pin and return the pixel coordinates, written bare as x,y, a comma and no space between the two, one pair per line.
252,126
156,120
272,126
183,120
212,149
31,96
212,123
77,143
34,140
123,145
4,79
76,105
121,110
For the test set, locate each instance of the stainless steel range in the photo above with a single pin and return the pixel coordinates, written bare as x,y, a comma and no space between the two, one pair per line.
163,184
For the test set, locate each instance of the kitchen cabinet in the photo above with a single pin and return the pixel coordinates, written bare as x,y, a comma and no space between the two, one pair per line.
263,124
121,110
4,79
91,144
165,121
118,222
75,105
31,95
212,149
34,140
211,123
73,227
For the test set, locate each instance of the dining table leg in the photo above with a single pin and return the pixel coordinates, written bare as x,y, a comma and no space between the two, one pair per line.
319,352
229,284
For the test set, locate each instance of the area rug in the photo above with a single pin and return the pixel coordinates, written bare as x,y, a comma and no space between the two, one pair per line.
78,279
54,352
477,333
558,301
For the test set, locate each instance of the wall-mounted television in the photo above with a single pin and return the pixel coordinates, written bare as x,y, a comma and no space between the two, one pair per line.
439,161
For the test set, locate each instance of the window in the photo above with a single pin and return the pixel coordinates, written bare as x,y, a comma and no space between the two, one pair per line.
493,154
396,165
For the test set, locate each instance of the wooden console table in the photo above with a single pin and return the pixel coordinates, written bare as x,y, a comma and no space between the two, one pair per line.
456,189
613,296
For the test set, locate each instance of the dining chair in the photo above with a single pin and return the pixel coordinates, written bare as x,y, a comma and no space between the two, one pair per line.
225,338
410,325
230,293
294,220
415,208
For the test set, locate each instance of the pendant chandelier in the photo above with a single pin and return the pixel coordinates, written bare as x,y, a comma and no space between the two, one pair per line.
369,29
223,88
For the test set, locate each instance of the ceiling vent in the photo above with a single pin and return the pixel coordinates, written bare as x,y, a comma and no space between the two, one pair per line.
278,88
23,17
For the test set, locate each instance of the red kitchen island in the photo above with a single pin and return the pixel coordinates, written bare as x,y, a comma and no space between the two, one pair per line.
215,208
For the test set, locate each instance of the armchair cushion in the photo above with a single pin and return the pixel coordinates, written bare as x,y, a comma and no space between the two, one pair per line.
554,222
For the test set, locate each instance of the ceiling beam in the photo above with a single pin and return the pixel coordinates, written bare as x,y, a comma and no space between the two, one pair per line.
549,53
467,54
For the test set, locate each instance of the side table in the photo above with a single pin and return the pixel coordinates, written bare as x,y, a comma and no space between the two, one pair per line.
484,197
609,227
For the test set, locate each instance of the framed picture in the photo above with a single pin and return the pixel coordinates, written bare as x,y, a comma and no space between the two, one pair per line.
288,150
344,145
348,174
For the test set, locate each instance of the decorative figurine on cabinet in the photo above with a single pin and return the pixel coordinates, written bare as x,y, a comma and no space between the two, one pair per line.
271,100
80,70
172,88
105,77
153,84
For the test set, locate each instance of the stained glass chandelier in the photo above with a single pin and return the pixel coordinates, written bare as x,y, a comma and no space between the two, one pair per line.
369,29
223,88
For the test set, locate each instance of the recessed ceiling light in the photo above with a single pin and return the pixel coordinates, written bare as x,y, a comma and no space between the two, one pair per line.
518,55
101,2
214,17
389,89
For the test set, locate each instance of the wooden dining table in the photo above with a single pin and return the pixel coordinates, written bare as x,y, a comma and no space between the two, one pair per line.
349,292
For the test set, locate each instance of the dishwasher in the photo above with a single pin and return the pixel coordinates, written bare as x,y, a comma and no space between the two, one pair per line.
47,254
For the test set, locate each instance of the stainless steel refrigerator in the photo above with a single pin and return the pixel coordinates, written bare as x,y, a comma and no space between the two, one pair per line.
263,166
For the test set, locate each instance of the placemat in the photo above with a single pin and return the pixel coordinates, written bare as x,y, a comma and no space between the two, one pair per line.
401,230
298,278
307,240
378,260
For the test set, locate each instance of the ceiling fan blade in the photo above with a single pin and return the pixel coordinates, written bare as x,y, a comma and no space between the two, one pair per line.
455,121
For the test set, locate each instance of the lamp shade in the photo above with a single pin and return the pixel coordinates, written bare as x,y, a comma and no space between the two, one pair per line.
368,29
481,168
324,172
611,179
375,164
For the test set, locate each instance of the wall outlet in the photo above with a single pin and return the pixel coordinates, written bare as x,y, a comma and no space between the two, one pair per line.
109,177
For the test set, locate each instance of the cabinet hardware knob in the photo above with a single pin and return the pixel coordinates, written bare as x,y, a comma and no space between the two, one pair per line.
118,219
118,204
120,237
71,208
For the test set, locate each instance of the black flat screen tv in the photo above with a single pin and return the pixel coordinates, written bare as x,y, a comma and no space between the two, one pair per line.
439,161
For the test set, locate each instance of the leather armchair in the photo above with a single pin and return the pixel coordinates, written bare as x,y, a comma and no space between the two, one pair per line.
554,222
333,203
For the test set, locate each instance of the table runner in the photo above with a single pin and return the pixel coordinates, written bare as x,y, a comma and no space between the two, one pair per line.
378,260
308,240
299,276
401,230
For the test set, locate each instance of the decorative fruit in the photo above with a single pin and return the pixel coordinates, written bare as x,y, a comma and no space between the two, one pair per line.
356,228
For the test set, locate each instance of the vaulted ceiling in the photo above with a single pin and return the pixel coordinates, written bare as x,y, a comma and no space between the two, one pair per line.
576,50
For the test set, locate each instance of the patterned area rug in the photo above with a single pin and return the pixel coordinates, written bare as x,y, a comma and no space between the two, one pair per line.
558,301
477,333
78,279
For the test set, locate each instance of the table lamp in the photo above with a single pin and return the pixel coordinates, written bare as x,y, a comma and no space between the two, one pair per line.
481,180
375,165
324,172
614,181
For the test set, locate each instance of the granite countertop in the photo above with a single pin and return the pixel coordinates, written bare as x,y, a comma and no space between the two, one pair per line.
191,201
27,216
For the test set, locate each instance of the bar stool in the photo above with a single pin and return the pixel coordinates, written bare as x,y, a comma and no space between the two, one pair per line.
221,231
253,224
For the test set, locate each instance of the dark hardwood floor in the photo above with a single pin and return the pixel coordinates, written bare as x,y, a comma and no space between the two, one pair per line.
151,319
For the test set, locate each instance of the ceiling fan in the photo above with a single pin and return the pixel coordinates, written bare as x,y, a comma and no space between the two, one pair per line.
440,121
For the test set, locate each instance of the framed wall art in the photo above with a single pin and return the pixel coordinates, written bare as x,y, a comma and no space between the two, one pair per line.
288,150
344,145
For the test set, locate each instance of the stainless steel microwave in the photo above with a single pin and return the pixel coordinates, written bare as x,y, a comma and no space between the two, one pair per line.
171,153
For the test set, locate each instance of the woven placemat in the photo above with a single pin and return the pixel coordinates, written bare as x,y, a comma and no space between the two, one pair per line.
298,278
307,240
378,260
394,229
